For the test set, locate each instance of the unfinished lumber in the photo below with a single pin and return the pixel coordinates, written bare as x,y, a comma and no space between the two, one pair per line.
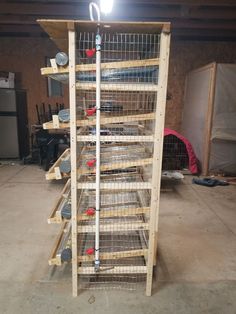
129,87
116,213
55,216
113,270
104,120
104,66
117,165
114,255
129,186
54,172
116,138
114,227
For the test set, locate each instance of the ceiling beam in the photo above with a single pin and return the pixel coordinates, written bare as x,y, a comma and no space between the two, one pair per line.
27,21
134,2
48,9
139,12
204,33
187,28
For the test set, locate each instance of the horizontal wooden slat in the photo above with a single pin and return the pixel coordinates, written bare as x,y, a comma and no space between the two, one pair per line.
131,186
117,165
104,66
116,138
116,213
115,227
104,120
113,255
118,87
113,270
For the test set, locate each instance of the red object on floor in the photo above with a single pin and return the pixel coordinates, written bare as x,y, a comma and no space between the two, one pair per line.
90,211
91,163
90,251
91,111
193,168
90,52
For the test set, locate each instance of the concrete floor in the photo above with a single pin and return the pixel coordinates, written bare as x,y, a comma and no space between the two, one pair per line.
197,252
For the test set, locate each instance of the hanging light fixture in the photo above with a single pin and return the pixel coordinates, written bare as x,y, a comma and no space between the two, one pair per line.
106,6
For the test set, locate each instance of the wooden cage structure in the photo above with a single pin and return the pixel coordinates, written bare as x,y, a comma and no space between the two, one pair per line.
134,72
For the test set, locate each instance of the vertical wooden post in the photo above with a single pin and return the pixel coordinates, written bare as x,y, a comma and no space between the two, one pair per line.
157,155
73,150
208,123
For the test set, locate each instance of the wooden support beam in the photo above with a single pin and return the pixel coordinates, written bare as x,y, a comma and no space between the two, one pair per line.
157,156
73,149
54,171
104,66
54,259
141,11
116,138
104,120
54,217
125,212
114,255
8,28
119,186
117,165
122,87
115,270
79,9
194,34
115,227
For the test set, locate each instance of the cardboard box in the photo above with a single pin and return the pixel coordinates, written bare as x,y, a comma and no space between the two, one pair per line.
7,80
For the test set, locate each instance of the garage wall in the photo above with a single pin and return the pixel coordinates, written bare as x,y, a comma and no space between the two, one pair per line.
27,55
184,57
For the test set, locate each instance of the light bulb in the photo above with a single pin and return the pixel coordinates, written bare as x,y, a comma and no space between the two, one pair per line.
106,6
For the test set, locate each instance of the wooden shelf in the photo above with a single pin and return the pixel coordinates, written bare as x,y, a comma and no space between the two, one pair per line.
114,270
49,71
104,120
116,138
129,186
120,87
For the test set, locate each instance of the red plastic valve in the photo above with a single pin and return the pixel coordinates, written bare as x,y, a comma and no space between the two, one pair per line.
90,52
90,211
90,251
91,163
91,111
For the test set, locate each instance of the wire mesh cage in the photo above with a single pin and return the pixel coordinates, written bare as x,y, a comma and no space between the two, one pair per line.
115,159
128,106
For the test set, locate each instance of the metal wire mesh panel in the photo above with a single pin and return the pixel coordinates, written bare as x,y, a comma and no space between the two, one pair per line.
123,239
175,155
129,76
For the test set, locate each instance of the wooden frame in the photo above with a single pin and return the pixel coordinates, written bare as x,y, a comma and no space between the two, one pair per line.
157,156
206,129
80,223
104,120
54,172
73,143
104,66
